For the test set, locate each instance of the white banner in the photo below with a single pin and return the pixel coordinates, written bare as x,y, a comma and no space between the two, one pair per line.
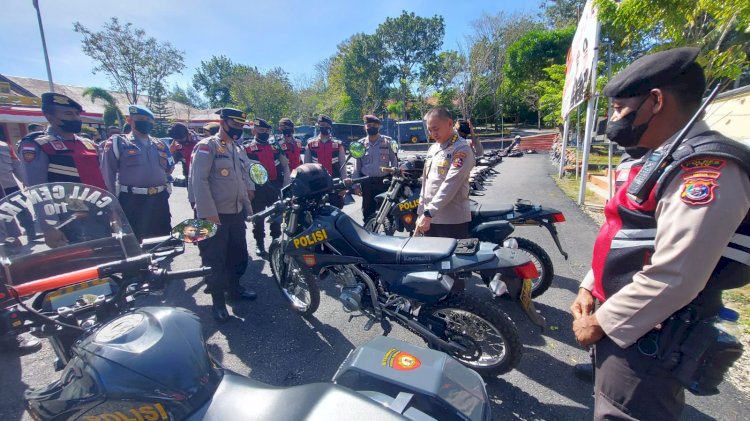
580,60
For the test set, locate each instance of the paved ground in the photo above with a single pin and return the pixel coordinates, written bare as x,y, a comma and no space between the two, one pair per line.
270,344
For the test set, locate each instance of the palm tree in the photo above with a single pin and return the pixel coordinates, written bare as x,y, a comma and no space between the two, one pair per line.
111,111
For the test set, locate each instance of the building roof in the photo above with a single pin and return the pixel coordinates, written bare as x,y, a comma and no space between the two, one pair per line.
27,87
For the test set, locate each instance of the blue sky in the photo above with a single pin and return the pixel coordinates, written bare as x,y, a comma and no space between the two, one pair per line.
294,35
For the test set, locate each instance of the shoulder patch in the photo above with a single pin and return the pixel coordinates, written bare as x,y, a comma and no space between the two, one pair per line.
698,189
712,163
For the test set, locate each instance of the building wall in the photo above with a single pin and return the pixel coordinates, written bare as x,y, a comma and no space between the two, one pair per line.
730,114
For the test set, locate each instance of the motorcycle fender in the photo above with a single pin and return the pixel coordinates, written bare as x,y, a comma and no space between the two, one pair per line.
388,366
493,231
379,199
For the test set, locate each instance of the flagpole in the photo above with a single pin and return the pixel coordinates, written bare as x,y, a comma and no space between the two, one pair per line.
44,45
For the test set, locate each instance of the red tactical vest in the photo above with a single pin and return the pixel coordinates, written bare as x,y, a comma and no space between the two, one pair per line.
293,151
187,149
74,161
326,154
267,155
625,242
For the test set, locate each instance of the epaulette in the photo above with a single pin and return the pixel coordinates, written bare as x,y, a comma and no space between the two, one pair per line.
37,137
313,144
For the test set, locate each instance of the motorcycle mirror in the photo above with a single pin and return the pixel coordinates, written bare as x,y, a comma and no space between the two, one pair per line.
258,174
194,230
394,146
357,150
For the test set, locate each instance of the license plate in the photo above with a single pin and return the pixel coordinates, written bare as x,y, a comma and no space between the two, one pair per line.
526,294
66,297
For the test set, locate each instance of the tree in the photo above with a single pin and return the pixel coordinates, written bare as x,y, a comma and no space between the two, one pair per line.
263,95
411,42
558,14
185,101
360,68
112,114
134,63
160,107
213,78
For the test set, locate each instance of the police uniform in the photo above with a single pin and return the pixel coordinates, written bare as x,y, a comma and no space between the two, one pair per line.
377,154
272,158
11,166
293,148
682,245
328,152
48,157
139,171
445,188
219,182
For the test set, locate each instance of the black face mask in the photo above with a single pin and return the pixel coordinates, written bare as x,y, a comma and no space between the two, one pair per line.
623,132
144,127
232,132
372,131
636,152
262,137
287,132
71,126
325,131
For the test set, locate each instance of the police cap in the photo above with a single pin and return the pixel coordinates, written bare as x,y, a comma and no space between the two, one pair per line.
285,122
259,122
324,119
369,118
655,70
233,114
136,109
212,127
51,98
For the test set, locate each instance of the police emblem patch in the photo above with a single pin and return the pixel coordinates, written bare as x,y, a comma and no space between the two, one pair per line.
29,153
698,191
458,162
224,172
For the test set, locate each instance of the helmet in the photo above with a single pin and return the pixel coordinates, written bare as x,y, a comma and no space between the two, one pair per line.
412,167
311,180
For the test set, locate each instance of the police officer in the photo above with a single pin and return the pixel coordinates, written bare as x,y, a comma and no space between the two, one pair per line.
184,140
223,191
138,165
290,145
466,130
11,166
59,154
260,150
211,128
378,154
653,258
444,200
328,152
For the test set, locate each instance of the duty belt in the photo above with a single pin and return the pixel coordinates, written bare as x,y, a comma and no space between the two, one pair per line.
143,190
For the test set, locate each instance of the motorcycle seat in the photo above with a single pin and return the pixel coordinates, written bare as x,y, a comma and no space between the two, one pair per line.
385,249
238,397
484,211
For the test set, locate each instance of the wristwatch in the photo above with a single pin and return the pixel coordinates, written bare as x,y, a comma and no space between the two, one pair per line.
427,214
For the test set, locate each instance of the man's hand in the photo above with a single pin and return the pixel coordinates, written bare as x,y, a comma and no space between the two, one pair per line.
587,330
174,146
214,219
423,224
251,195
54,238
358,190
347,182
583,304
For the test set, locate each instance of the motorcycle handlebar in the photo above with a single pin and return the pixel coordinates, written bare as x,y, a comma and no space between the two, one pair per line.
185,274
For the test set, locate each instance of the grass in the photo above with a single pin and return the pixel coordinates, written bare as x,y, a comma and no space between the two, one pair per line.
739,299
570,186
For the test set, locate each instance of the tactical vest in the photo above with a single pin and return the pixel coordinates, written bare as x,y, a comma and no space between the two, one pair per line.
293,152
71,161
266,154
625,242
326,154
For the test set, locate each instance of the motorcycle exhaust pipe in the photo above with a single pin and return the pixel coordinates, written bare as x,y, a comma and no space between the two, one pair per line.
426,333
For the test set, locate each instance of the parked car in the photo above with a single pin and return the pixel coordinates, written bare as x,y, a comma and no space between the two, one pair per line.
412,131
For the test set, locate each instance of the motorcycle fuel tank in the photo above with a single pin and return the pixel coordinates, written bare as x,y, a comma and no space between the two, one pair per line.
147,364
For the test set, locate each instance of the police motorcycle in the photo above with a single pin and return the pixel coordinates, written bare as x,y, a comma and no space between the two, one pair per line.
415,282
151,363
397,211
86,269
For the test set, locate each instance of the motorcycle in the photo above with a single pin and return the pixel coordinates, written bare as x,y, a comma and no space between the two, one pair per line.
152,363
415,282
85,269
397,211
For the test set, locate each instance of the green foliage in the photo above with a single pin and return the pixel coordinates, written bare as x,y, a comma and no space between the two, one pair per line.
160,107
527,58
112,114
263,95
558,14
134,63
360,71
550,91
396,108
187,96
212,79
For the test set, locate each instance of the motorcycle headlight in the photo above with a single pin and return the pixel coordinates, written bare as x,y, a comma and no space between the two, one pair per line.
510,243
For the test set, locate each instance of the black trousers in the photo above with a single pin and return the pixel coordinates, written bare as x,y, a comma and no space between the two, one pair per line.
265,195
148,215
631,386
457,231
371,187
226,254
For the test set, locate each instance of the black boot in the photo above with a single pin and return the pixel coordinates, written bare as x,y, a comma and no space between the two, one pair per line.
21,345
241,294
220,313
584,371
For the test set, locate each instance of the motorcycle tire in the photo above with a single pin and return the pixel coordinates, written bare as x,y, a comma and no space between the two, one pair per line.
304,308
481,312
386,229
543,264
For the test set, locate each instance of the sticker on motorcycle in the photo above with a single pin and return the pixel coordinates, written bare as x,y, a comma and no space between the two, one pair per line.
311,239
400,360
408,205
53,199
145,412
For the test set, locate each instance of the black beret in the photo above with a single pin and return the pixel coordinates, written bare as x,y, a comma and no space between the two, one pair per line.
369,118
259,122
233,113
324,119
51,98
652,71
285,122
